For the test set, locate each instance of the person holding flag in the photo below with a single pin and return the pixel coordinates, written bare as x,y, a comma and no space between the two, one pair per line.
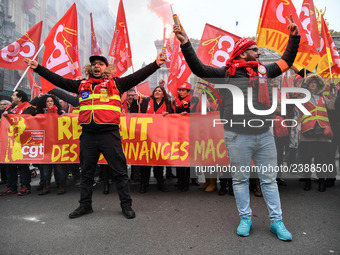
245,142
99,116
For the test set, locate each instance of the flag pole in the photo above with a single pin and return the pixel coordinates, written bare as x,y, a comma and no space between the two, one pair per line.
23,75
330,71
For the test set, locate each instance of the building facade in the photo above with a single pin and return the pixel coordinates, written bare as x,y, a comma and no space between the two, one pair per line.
15,21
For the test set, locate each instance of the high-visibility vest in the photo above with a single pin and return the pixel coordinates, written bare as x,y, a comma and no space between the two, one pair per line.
96,103
318,114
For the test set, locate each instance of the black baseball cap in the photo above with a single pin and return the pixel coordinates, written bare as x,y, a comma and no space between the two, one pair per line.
101,58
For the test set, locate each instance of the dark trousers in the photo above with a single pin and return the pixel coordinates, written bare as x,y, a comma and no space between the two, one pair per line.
321,152
183,176
60,174
3,173
12,172
108,143
145,174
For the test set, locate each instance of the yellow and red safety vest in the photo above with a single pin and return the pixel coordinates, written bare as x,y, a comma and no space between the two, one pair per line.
318,114
101,103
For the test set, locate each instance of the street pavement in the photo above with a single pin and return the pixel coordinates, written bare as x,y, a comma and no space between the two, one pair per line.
193,222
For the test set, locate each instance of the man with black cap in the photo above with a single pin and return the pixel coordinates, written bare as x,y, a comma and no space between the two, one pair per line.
248,141
99,116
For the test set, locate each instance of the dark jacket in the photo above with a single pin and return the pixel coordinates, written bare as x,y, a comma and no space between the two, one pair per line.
241,80
123,84
144,106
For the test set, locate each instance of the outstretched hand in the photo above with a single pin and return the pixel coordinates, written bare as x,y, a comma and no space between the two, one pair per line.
180,34
33,64
292,27
160,59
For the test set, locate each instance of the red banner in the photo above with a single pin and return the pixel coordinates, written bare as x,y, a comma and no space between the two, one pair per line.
273,33
329,54
179,69
147,139
215,46
144,89
12,56
95,49
61,49
35,88
309,23
120,48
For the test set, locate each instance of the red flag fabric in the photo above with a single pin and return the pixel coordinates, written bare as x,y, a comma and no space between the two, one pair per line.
309,23
215,46
144,89
168,51
95,49
27,4
12,56
35,89
273,33
61,49
120,48
284,82
179,69
329,54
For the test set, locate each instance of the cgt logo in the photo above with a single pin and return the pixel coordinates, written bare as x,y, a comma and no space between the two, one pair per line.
33,151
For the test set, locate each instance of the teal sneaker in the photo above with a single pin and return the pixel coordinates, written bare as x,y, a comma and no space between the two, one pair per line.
280,230
245,225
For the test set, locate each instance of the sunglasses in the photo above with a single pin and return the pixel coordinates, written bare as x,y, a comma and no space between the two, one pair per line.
254,49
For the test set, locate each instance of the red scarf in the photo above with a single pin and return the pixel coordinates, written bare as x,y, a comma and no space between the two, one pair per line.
261,76
125,108
87,84
52,109
151,109
182,102
19,108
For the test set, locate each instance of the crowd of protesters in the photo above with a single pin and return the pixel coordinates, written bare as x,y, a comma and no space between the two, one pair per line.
314,140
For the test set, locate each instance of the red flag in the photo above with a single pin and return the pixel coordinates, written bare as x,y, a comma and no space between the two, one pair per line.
12,56
61,49
144,89
120,48
27,4
309,23
284,82
329,54
179,69
35,89
273,32
215,46
95,49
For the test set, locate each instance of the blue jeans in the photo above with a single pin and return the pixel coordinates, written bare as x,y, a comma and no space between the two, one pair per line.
242,148
59,172
13,170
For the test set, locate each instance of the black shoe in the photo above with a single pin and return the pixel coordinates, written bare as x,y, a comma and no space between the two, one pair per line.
106,189
170,175
184,189
128,212
322,187
80,211
281,182
162,188
308,184
194,182
143,188
329,182
223,190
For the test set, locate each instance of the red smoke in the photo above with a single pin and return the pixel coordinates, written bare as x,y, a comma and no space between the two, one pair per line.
162,9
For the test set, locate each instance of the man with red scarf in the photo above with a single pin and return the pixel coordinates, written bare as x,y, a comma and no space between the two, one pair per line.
246,142
19,105
99,116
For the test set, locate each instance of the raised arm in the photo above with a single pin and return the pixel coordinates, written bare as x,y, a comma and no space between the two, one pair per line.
55,79
195,64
